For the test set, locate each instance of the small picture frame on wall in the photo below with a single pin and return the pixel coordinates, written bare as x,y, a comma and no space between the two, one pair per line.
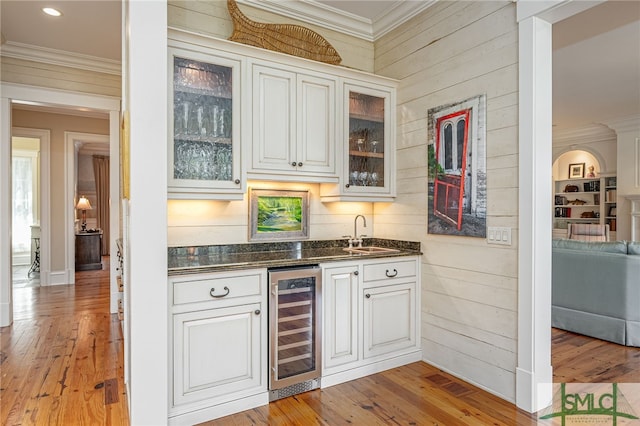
576,170
276,215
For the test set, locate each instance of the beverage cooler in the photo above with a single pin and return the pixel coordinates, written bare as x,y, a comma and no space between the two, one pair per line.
294,330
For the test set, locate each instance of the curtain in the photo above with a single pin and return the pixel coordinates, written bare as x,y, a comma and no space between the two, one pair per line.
101,173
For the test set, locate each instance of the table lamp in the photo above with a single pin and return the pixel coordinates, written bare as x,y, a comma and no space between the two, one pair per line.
84,205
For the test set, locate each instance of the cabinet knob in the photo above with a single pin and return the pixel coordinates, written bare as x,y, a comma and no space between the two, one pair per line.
294,163
356,273
257,312
347,185
368,296
393,274
237,181
300,164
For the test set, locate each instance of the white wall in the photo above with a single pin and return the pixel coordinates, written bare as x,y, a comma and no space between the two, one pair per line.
451,52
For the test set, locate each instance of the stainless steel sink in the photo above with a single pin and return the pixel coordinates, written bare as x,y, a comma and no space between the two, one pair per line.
370,250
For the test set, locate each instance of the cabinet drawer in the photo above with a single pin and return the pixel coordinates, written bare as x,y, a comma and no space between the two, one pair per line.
389,270
218,288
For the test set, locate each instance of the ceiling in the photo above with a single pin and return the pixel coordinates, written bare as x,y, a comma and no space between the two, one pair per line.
596,61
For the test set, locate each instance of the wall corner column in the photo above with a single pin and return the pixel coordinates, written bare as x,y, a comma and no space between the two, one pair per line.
533,372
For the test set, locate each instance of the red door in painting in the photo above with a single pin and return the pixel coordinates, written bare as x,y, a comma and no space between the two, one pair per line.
452,135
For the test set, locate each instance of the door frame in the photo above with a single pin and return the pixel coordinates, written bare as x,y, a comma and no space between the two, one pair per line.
534,374
56,98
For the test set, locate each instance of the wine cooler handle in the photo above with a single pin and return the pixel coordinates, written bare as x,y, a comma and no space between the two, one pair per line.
368,296
395,272
218,296
274,289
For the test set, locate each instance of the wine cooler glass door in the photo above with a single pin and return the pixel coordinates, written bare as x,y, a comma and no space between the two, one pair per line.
295,333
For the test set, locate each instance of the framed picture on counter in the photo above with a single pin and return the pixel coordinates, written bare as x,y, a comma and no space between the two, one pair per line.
278,215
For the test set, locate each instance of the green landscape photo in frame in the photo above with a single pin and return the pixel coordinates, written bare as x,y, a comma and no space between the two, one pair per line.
277,215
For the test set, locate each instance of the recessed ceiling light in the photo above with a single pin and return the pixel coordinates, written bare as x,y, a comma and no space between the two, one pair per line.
51,11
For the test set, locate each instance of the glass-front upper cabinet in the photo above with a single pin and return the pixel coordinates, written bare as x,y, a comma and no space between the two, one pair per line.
204,148
369,144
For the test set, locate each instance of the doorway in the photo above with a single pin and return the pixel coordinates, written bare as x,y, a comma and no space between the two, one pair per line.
62,102
25,213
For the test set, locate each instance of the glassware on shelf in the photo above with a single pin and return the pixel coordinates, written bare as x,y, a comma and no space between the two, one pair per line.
373,177
360,144
374,146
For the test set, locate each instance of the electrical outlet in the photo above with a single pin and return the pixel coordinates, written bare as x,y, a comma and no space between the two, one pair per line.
499,235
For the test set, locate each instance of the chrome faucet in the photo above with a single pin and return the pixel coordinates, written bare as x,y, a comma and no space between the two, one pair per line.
356,239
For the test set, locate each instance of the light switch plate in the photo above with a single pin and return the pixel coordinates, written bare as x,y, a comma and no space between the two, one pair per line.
499,235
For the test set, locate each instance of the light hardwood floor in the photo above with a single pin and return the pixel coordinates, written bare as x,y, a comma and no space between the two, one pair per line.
61,363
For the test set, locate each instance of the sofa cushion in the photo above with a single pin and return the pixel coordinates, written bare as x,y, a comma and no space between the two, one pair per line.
619,247
633,247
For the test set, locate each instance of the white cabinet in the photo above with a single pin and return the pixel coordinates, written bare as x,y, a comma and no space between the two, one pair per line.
216,354
340,288
368,144
389,319
204,157
371,317
294,125
219,343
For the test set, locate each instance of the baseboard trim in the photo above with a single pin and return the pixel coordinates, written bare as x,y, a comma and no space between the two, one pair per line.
60,278
5,314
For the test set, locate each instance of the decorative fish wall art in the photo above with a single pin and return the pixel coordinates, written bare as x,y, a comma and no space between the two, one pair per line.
285,38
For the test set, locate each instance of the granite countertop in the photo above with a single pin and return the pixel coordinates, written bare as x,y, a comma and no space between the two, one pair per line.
198,259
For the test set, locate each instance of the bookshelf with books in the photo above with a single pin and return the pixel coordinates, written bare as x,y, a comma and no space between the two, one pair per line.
585,200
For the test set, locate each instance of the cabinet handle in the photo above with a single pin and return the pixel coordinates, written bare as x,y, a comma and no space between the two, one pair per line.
237,181
213,290
356,273
347,185
293,164
368,296
300,164
257,312
395,272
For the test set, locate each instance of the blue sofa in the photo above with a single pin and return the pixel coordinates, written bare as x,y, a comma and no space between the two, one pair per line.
596,289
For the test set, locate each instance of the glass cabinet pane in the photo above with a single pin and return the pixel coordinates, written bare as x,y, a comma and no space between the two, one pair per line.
366,140
202,121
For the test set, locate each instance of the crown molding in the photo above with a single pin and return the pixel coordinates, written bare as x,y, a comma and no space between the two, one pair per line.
398,14
328,17
624,124
46,55
585,134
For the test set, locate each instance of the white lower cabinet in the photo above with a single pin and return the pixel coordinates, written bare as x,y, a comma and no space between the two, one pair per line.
219,344
371,316
217,352
340,296
389,319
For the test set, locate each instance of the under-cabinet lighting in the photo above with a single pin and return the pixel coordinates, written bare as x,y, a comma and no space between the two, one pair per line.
51,11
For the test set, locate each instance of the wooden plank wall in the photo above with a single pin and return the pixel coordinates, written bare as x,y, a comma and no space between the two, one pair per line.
212,18
453,51
204,222
59,77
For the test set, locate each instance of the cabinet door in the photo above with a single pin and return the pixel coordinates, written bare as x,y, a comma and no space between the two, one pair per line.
217,352
316,125
389,319
204,126
367,143
274,131
340,290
